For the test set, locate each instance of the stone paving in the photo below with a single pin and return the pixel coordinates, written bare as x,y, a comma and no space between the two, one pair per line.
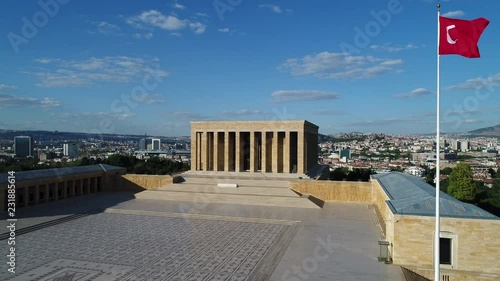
130,247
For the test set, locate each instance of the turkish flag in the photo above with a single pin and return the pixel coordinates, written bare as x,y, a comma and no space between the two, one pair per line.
460,37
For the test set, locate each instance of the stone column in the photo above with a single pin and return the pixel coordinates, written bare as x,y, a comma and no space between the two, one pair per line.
80,187
194,152
72,190
47,188
37,194
263,165
216,151
300,152
204,151
253,151
226,151
56,191
65,190
238,152
286,153
26,195
88,185
275,152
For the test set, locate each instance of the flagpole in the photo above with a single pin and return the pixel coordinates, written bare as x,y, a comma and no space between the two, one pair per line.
438,120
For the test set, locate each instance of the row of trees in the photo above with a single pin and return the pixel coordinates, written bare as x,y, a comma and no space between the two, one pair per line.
343,174
461,185
152,166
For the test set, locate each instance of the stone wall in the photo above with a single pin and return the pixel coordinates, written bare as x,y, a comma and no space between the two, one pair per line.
136,183
477,253
344,191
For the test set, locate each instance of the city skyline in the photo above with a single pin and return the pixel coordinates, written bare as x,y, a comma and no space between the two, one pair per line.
152,67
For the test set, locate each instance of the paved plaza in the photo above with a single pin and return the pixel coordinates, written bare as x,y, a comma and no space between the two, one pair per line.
136,237
126,246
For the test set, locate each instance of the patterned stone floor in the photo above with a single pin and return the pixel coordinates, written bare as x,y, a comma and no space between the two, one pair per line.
130,247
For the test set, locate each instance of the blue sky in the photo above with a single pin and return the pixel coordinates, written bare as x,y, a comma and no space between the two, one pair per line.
152,66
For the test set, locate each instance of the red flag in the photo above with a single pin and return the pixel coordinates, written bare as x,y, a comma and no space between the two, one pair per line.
460,37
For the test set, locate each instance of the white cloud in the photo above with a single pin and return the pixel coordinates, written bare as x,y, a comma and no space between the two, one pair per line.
21,101
242,112
203,15
302,95
147,35
66,73
97,115
197,27
419,92
155,19
395,48
178,6
107,28
478,83
453,14
3,86
45,60
340,66
275,8
150,98
230,31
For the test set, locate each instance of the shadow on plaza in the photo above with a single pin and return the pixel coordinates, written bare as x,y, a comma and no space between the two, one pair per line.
85,204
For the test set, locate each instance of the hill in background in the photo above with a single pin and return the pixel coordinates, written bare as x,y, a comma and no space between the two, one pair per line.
493,131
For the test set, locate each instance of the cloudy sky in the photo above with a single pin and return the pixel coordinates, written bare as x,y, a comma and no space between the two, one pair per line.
152,66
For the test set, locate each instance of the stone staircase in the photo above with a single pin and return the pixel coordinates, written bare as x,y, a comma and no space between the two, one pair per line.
252,190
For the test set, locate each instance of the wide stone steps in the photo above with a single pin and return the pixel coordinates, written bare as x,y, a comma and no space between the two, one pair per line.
242,190
224,198
240,182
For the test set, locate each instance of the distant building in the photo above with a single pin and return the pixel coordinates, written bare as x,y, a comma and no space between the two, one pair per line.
70,150
415,171
142,144
149,147
42,157
24,146
156,144
345,153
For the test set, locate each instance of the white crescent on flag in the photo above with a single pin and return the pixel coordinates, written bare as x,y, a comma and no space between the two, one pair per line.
448,37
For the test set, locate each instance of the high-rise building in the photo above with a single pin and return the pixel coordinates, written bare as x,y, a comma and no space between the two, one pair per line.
142,144
156,144
70,149
24,146
345,153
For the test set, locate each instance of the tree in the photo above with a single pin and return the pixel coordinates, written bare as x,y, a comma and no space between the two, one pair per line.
461,184
446,171
492,172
